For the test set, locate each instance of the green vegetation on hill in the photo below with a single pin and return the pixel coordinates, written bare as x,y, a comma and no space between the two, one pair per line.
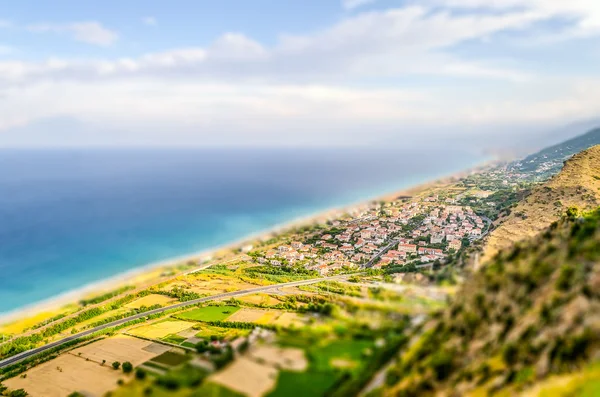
548,161
533,311
575,186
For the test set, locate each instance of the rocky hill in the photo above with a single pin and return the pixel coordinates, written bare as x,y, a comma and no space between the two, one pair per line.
576,185
527,324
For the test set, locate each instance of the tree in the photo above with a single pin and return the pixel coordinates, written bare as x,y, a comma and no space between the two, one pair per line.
510,355
116,365
140,373
18,393
127,367
202,346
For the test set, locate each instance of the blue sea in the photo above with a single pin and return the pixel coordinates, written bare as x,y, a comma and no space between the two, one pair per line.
69,218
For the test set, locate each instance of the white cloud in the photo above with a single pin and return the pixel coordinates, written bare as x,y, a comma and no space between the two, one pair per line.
150,21
585,13
317,86
352,4
405,41
86,32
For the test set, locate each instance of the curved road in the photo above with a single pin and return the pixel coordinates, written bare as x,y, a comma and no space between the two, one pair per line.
29,353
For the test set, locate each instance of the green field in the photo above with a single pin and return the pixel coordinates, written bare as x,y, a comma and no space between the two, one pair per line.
309,383
321,375
206,331
213,390
170,359
209,313
175,339
345,349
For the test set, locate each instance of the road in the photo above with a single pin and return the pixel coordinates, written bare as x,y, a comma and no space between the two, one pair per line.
370,263
22,356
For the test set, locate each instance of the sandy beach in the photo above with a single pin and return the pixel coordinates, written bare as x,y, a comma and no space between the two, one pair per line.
151,273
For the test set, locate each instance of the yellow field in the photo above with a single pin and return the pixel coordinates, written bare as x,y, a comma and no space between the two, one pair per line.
247,377
260,299
210,284
21,325
121,348
287,358
161,329
289,320
151,300
247,315
66,374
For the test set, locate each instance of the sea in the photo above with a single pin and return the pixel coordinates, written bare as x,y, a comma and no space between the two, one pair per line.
72,217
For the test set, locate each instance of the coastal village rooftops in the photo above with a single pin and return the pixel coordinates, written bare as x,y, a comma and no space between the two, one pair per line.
407,247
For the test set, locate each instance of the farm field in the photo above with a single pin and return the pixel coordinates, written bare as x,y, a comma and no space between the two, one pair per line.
121,348
151,300
290,319
209,313
65,374
246,376
260,299
206,331
20,326
247,315
325,361
161,329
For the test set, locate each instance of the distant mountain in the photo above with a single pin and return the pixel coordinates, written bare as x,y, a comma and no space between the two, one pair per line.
527,324
576,185
549,161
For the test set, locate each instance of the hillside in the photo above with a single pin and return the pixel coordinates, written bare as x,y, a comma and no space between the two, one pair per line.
576,185
527,324
548,162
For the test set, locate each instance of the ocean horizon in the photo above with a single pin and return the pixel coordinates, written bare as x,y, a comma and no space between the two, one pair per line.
74,217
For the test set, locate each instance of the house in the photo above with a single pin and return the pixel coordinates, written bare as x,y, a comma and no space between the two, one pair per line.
411,248
430,251
437,239
296,245
284,248
347,248
270,254
475,232
455,245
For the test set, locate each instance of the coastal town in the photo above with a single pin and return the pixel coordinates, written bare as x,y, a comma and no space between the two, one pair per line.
421,232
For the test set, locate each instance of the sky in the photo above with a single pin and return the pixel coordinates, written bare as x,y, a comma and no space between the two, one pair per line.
295,72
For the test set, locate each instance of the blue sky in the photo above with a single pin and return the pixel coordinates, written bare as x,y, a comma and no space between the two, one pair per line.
297,72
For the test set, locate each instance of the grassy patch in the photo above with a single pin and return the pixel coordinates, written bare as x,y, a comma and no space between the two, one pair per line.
170,359
309,383
206,331
322,373
175,339
344,349
209,313
214,390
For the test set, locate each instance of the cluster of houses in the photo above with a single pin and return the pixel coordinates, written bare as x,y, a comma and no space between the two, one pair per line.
352,242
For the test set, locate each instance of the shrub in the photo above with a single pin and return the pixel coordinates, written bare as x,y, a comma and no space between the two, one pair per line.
18,393
510,355
140,373
116,365
127,367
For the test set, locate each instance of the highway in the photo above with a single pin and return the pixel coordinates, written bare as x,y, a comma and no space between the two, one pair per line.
29,353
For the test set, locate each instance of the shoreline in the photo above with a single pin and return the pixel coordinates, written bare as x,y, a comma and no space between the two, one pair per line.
105,285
